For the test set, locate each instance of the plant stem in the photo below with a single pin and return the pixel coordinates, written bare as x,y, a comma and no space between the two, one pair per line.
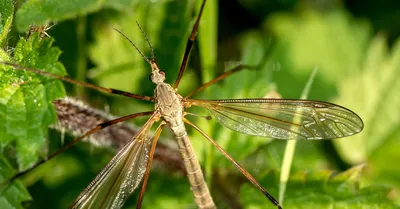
291,146
81,54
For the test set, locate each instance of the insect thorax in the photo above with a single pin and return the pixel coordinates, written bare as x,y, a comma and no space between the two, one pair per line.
169,104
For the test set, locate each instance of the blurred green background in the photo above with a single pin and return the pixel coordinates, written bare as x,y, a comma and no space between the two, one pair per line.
354,45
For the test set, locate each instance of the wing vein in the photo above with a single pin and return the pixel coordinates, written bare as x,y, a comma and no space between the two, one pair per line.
260,120
349,121
235,120
261,116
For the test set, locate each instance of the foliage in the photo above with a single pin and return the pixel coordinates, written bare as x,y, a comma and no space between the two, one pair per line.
26,100
323,189
357,70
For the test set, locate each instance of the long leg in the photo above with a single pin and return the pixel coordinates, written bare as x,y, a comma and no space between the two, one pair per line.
189,46
97,128
215,80
241,169
146,175
87,85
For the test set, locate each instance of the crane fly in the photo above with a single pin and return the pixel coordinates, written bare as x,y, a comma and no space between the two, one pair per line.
273,118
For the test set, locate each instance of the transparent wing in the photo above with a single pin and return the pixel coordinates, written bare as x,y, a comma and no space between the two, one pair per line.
120,177
284,119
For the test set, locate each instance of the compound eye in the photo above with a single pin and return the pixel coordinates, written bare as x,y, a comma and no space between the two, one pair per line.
162,73
151,77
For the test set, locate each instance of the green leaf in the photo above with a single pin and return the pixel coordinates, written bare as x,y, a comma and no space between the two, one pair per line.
14,194
121,5
374,95
26,99
332,41
384,173
323,189
34,12
6,17
26,111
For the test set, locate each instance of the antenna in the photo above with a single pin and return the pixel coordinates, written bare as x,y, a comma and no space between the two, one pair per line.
153,58
137,49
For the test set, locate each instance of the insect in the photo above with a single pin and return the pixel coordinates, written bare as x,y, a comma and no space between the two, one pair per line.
41,29
273,118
